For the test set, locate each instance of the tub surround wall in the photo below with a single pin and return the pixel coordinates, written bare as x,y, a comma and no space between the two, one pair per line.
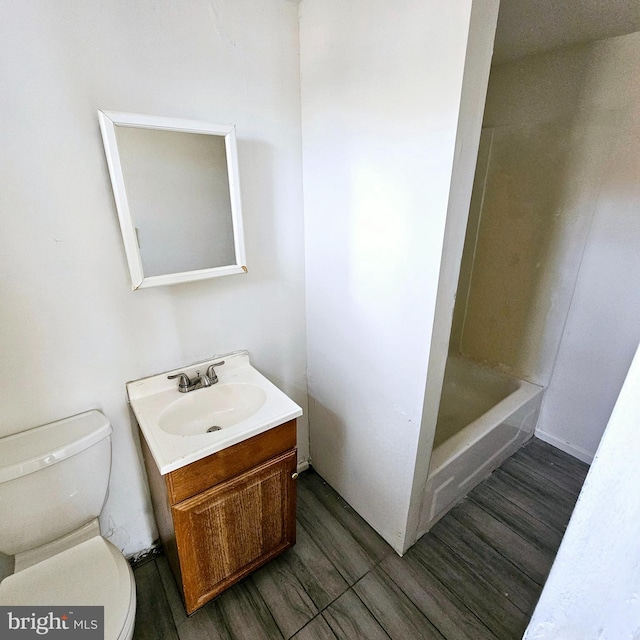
72,331
548,287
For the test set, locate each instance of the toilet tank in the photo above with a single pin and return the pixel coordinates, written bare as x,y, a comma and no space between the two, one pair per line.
53,480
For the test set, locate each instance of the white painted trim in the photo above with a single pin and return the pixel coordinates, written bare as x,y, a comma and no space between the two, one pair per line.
127,228
303,465
108,121
567,447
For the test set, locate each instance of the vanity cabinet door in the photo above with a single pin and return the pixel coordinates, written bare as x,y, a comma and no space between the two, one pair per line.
226,532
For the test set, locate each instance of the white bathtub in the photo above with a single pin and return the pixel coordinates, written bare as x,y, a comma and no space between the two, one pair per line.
484,417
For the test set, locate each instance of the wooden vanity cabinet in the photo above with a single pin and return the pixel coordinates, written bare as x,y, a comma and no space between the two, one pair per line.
224,516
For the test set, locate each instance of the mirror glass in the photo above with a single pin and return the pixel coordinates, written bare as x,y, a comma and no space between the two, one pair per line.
176,189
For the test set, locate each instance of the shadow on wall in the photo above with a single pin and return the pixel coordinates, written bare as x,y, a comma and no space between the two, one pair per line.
535,193
334,432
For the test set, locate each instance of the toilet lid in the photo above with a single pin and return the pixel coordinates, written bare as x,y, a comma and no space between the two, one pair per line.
91,573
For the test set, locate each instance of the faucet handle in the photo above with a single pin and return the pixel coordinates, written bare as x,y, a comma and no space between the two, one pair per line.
211,374
184,383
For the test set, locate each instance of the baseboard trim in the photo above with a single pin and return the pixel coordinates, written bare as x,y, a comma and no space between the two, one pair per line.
303,465
567,447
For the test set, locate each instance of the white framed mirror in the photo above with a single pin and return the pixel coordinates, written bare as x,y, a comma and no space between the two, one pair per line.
177,194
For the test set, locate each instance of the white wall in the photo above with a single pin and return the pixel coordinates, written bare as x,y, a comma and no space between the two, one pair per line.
553,296
602,328
71,330
381,90
592,590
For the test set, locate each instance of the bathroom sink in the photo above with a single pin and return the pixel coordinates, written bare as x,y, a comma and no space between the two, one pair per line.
211,409
181,428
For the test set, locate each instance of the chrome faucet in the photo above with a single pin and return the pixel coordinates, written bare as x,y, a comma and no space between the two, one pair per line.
185,384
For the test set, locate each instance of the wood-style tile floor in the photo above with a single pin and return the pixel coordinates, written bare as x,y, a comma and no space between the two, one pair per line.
477,575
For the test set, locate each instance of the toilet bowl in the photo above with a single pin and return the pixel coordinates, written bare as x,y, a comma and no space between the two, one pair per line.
53,485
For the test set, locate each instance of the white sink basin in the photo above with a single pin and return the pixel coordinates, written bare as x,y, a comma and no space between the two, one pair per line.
211,409
181,428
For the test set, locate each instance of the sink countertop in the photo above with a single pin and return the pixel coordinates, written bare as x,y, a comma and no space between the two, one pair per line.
149,397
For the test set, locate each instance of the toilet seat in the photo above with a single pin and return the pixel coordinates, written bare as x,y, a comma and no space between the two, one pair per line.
93,572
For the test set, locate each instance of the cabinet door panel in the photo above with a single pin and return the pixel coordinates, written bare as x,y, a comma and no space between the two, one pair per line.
231,529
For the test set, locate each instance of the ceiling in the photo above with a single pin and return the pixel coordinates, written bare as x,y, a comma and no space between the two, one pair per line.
534,26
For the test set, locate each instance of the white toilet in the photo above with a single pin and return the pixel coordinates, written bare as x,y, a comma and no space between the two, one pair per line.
53,485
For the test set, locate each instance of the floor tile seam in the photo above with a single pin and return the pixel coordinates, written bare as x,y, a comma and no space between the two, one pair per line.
352,588
321,614
519,507
552,519
166,605
531,487
346,578
333,518
227,626
164,587
544,548
564,485
342,523
536,462
271,613
306,624
560,456
249,578
449,592
489,543
561,467
475,611
317,542
264,602
498,551
364,604
478,610
481,576
566,495
320,611
190,617
350,585
176,624
570,493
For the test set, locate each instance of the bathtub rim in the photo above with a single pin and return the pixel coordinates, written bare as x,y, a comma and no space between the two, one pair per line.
461,441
